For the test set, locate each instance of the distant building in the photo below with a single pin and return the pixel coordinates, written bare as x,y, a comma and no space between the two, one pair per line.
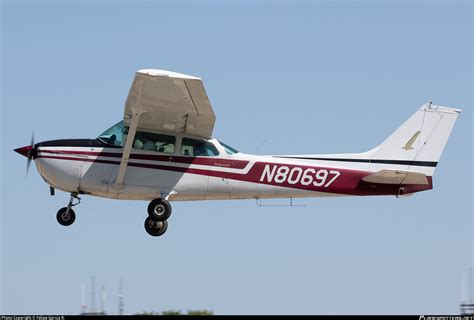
466,307
92,311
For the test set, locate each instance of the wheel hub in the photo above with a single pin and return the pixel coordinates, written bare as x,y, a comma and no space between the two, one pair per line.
65,216
154,224
159,210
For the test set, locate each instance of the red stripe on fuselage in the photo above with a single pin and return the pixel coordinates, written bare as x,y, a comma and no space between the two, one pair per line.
348,182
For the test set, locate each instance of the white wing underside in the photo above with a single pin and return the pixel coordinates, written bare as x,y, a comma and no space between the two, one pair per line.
170,101
167,101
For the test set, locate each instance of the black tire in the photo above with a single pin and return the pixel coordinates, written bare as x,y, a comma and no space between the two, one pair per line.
155,228
159,209
63,219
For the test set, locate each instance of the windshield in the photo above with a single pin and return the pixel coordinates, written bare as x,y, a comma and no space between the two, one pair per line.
115,135
228,149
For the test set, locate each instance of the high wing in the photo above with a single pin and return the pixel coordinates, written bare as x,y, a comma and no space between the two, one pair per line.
171,102
165,101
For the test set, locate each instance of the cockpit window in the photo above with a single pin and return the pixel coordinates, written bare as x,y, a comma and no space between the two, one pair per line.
115,135
198,147
228,149
154,142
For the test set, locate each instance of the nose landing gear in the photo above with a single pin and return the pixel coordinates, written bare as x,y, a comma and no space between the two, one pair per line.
66,216
159,210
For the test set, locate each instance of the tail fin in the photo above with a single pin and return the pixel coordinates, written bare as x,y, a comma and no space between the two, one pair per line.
419,142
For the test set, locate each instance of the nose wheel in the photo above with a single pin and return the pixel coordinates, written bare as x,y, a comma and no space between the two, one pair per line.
66,216
159,210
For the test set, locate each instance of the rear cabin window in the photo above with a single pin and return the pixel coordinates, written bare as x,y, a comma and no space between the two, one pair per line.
228,149
154,142
198,148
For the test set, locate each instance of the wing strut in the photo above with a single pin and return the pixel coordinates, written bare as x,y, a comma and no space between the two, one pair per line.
127,148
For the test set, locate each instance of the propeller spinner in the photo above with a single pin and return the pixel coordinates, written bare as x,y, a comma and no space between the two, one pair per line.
29,152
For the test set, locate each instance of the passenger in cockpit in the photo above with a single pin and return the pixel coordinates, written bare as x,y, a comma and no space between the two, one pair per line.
149,145
138,144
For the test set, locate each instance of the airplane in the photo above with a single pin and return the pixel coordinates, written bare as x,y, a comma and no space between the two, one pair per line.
162,151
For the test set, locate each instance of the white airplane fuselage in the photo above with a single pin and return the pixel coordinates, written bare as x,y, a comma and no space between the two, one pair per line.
89,167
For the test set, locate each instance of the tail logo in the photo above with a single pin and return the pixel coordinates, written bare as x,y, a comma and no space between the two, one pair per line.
409,144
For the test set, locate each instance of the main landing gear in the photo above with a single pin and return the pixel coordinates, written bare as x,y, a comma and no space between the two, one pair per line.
66,215
159,210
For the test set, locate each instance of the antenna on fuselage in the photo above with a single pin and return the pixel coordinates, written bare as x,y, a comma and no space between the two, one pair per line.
260,145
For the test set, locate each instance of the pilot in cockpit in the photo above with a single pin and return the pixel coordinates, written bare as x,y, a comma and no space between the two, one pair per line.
113,139
200,150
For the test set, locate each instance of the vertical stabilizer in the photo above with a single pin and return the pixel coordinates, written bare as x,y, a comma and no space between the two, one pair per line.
419,142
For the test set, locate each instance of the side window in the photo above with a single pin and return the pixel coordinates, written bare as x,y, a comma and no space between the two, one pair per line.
154,142
228,149
195,148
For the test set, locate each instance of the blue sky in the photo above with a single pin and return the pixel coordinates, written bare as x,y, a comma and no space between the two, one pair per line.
299,77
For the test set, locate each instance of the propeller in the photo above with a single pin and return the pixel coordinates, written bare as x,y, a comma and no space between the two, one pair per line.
29,152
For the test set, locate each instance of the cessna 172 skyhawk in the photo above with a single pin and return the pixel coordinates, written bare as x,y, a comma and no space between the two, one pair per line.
163,151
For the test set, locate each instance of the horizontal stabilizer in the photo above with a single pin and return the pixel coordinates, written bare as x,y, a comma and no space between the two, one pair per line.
396,177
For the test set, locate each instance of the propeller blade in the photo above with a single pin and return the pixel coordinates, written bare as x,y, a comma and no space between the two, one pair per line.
28,164
31,153
32,141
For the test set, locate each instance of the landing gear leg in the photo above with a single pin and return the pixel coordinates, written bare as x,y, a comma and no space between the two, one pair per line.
159,210
66,216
